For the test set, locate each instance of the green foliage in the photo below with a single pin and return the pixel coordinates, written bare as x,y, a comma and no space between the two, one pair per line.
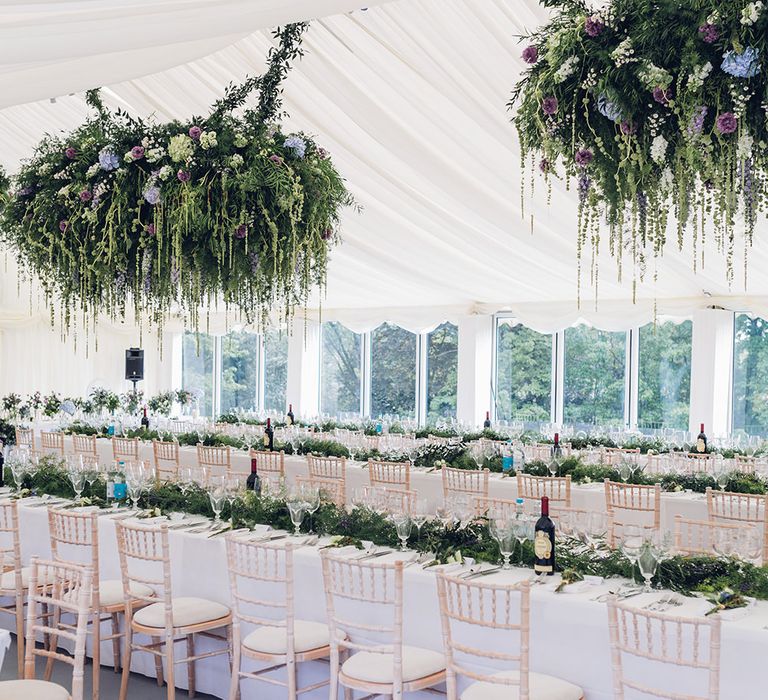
125,214
7,433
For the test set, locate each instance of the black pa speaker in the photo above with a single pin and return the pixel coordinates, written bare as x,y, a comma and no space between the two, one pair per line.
134,364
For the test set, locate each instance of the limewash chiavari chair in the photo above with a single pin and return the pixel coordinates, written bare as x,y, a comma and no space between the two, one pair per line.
84,445
358,592
324,469
613,456
497,616
556,488
697,464
269,465
145,559
632,504
390,475
744,464
75,540
215,460
688,646
262,590
125,449
539,451
330,489
62,588
371,442
506,507
14,578
740,507
52,442
700,536
25,437
167,461
473,482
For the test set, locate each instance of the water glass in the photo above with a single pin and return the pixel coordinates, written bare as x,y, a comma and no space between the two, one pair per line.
647,561
403,525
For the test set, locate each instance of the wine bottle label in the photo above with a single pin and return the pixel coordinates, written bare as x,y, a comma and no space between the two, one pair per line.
265,440
542,546
701,446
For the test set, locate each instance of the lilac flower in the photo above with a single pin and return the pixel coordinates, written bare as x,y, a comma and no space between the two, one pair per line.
85,196
549,105
183,176
584,184
627,127
276,159
241,231
70,152
253,256
530,54
544,165
175,273
108,160
593,26
608,108
150,229
697,120
661,95
709,33
194,132
742,65
137,152
63,225
726,123
583,157
152,195
297,144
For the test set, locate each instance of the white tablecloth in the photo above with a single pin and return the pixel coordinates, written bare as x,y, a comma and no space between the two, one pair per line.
569,632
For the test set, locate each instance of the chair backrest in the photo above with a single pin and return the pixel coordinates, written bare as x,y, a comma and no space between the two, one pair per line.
271,464
698,463
167,461
740,507
218,459
614,455
25,436
67,588
364,601
10,541
506,506
458,481
125,448
52,441
75,540
332,490
389,474
327,467
557,488
744,464
497,616
84,444
700,536
688,646
257,569
632,504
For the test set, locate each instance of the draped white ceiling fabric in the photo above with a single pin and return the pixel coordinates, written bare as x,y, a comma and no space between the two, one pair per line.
410,98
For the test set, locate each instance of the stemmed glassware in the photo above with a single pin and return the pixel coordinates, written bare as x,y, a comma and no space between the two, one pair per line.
523,529
502,530
217,494
403,525
631,544
297,507
17,462
313,503
647,561
419,514
137,478
233,487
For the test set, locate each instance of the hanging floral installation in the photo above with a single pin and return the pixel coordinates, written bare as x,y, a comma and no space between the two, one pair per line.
656,110
168,217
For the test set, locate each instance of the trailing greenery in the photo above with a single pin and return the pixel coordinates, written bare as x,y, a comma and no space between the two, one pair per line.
656,109
124,212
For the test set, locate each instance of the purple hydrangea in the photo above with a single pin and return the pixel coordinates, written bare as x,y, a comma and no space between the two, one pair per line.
297,144
241,231
742,65
583,157
63,225
276,158
322,153
708,33
549,105
85,196
70,152
108,160
152,195
544,165
530,54
608,108
150,229
726,123
593,26
661,95
628,127
194,132
137,152
183,176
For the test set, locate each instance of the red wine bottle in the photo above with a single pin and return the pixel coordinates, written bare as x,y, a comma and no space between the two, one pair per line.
253,482
291,419
544,542
145,420
557,451
701,441
269,436
487,423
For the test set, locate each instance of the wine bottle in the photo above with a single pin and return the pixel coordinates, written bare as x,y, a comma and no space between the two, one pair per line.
120,490
269,436
701,441
110,485
291,419
519,508
487,422
253,482
2,464
544,542
507,458
557,451
145,420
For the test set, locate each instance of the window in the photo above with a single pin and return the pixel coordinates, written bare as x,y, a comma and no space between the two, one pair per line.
750,374
239,371
523,373
442,366
595,363
197,369
664,378
393,372
340,371
275,370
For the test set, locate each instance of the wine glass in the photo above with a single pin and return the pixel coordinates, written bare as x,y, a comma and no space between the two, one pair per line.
647,561
217,494
501,529
419,514
296,508
403,526
631,545
445,515
232,487
313,503
186,480
522,529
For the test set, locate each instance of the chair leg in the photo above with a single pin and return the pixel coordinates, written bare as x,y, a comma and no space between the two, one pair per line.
170,663
96,654
333,678
20,635
53,641
158,663
126,660
116,641
234,683
290,671
191,665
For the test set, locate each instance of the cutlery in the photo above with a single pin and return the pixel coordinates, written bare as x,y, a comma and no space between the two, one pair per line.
482,572
374,555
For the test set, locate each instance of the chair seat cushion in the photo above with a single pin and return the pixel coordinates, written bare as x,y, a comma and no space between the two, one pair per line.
32,690
8,579
379,668
111,592
273,640
540,687
185,612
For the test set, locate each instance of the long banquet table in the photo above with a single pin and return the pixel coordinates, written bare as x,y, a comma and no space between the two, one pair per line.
569,631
